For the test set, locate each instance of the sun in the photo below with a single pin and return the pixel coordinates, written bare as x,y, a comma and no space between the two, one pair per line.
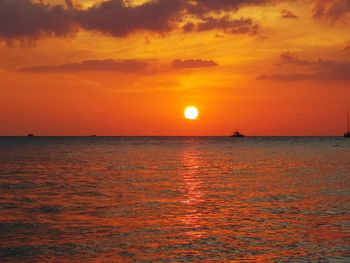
191,113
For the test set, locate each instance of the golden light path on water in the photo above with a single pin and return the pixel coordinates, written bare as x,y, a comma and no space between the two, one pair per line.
192,192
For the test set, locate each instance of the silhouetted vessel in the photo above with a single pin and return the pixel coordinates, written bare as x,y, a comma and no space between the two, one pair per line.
237,134
347,134
30,135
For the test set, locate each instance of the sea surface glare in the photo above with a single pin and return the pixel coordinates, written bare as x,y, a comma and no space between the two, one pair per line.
174,199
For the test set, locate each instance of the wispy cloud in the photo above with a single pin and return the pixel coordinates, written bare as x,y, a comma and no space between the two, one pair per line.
125,66
232,26
193,63
320,70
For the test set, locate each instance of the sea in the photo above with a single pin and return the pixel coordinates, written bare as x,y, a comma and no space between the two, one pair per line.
174,199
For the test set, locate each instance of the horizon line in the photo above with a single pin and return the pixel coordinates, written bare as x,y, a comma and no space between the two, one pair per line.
95,135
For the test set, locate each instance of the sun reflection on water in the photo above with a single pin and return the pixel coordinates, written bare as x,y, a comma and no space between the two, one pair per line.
193,196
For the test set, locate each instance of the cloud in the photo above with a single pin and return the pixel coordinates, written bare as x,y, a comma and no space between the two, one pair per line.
193,63
200,7
323,70
318,76
285,77
24,19
232,26
115,18
332,10
288,14
125,66
291,58
28,20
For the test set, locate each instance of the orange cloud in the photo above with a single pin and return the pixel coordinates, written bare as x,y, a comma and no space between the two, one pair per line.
193,63
232,26
126,66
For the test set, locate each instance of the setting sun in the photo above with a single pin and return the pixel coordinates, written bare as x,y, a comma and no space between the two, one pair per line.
191,113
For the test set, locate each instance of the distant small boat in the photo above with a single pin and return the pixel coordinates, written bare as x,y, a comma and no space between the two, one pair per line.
93,135
30,135
347,134
237,134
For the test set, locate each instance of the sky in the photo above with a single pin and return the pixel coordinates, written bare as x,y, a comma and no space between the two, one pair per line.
113,67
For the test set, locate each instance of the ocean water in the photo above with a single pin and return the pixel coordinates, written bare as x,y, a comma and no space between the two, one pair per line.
174,199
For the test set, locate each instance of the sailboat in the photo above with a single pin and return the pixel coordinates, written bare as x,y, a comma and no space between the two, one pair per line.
347,134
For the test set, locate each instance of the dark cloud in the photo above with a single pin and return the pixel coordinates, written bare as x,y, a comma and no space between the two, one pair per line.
232,26
193,63
125,66
115,18
24,19
288,14
291,58
323,70
21,19
332,10
346,49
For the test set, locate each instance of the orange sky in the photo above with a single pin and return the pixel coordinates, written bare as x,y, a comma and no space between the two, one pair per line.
263,67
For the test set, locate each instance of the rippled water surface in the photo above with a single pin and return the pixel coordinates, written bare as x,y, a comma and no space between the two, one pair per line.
189,199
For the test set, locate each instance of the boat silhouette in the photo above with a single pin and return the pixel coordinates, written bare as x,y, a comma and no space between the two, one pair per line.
30,135
347,134
237,134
